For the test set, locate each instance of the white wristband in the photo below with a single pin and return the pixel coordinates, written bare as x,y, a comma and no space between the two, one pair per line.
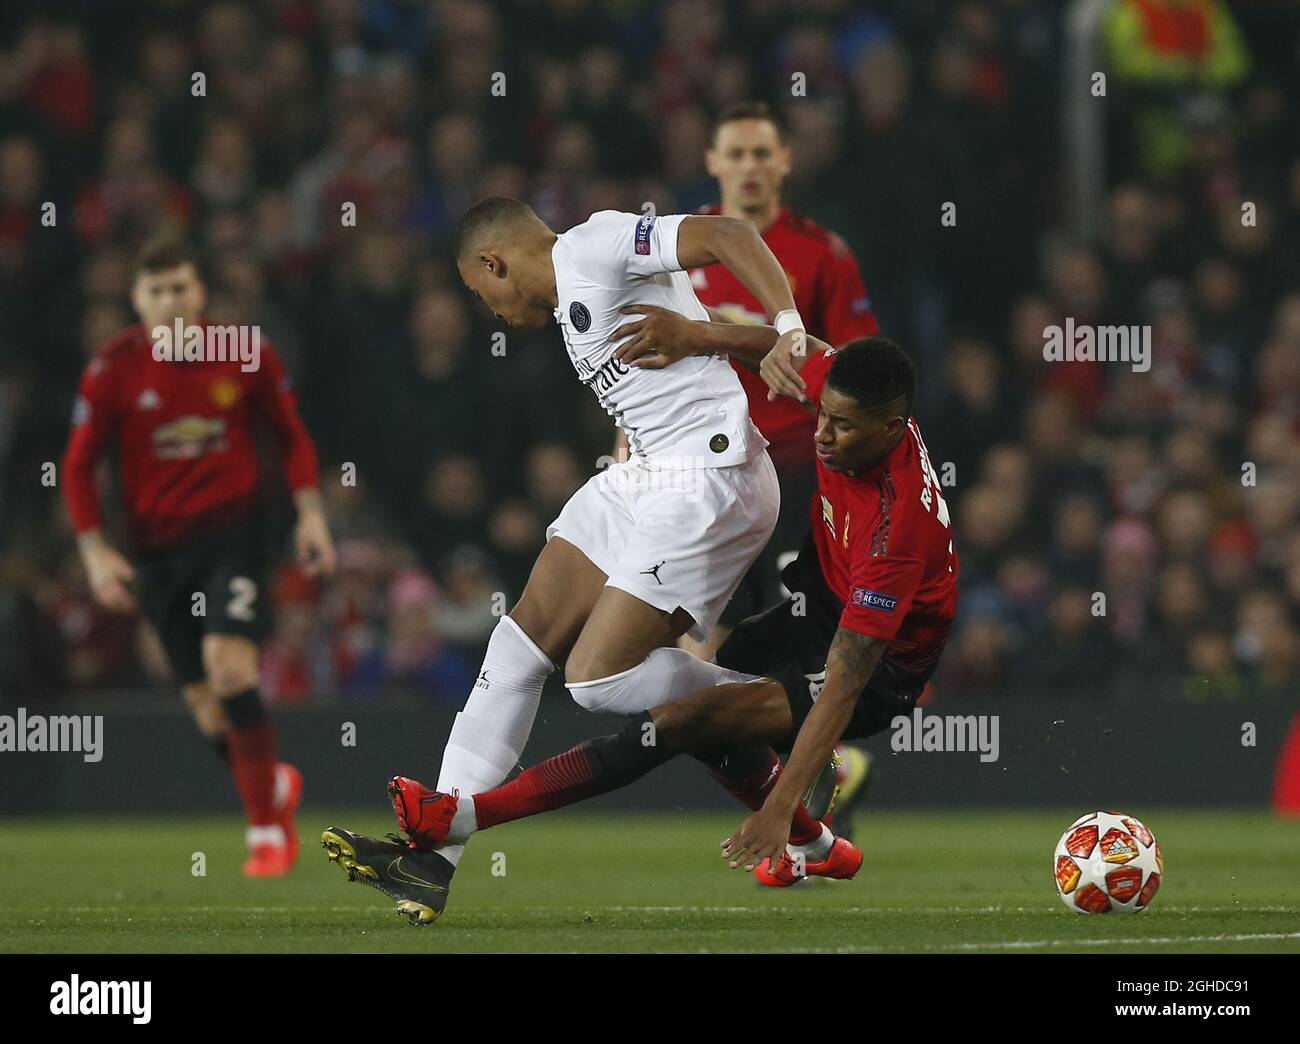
787,320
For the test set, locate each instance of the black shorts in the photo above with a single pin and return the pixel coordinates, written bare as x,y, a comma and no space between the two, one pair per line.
789,642
228,568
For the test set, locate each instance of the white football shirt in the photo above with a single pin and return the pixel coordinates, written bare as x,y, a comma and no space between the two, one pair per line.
692,413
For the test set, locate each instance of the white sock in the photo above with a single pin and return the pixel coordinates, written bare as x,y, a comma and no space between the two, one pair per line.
814,851
662,677
489,735
265,835
463,823
281,797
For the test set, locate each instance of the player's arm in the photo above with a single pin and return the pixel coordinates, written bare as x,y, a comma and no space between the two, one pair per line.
660,337
107,570
278,404
312,541
714,239
849,664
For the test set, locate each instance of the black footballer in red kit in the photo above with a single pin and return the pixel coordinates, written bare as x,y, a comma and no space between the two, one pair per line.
884,542
879,561
183,437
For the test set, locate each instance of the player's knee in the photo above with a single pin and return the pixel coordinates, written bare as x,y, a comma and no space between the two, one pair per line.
593,694
582,670
227,678
230,665
205,706
197,696
595,687
688,724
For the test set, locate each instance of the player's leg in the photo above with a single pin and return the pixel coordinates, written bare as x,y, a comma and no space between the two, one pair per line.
751,713
230,572
607,672
613,626
206,710
625,659
622,656
418,877
768,643
694,535
230,664
489,734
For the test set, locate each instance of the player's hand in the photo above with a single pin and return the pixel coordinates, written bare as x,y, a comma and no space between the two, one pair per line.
314,545
780,367
660,339
109,574
762,836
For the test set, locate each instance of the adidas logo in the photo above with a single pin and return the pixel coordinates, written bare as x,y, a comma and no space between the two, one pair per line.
148,400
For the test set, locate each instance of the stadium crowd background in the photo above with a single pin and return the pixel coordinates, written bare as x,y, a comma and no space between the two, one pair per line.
1070,478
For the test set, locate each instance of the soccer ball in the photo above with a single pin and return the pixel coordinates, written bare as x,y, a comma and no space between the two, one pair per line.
1107,861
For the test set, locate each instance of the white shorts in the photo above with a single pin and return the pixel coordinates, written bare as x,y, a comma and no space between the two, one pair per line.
674,537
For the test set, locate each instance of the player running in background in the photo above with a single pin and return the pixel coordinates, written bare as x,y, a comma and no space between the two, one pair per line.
182,431
648,549
878,587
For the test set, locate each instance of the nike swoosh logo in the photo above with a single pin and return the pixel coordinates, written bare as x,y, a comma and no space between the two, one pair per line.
398,874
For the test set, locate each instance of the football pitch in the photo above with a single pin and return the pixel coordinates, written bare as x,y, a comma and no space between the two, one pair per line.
970,881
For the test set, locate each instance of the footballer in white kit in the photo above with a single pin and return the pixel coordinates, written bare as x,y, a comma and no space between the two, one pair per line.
648,550
679,522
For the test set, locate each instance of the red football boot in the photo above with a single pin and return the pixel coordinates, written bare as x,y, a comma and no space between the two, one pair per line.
842,861
270,860
424,815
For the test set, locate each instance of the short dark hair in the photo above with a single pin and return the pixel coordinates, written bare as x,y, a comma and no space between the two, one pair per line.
875,372
486,215
164,253
750,110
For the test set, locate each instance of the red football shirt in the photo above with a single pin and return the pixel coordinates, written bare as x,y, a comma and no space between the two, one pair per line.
184,438
884,541
831,299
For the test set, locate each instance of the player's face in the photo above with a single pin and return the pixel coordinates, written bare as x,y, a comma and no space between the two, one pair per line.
852,440
499,287
160,298
749,162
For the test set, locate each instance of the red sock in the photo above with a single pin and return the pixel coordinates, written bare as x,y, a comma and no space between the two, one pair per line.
554,783
594,767
751,779
252,762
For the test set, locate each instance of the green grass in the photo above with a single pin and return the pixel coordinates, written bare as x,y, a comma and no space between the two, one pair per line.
974,880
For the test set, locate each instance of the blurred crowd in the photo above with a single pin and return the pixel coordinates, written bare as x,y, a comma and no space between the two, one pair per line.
1173,494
